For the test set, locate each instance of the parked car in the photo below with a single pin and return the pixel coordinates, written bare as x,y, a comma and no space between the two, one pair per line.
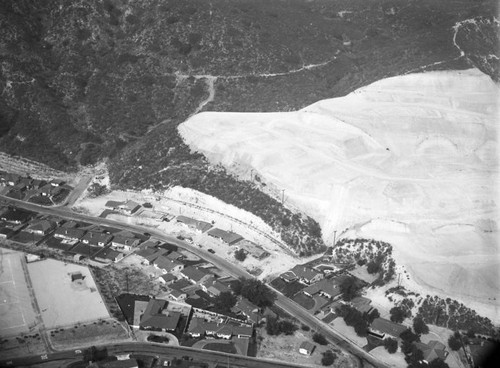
211,251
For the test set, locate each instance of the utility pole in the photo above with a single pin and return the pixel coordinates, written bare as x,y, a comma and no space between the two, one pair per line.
334,238
282,196
251,175
399,278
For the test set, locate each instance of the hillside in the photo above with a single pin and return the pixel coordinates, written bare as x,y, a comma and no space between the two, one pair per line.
87,80
410,160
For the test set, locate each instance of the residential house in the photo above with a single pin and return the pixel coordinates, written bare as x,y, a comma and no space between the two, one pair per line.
69,233
96,238
16,216
129,207
85,250
155,317
108,255
41,227
250,311
306,348
306,275
362,304
383,328
56,182
6,233
37,183
149,255
195,275
166,265
113,204
175,256
227,237
325,287
167,279
432,350
180,285
215,287
243,331
250,247
289,277
124,242
178,295
194,224
12,179
196,327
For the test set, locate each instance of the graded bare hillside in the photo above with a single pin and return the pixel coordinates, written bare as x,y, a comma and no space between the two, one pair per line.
413,155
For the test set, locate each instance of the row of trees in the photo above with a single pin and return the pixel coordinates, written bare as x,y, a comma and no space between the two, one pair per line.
255,291
275,326
359,321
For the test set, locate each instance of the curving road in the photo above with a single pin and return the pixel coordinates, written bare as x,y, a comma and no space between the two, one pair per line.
234,270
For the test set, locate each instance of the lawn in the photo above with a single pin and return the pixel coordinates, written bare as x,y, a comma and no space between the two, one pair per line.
223,347
288,289
304,300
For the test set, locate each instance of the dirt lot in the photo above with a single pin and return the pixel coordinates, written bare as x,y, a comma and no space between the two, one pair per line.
60,299
98,332
286,348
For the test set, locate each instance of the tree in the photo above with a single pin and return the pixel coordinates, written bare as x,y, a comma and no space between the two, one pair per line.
225,301
349,288
454,341
272,326
319,338
255,291
398,314
391,345
328,358
240,255
419,326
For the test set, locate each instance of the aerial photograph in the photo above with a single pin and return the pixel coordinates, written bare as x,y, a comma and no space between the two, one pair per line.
249,183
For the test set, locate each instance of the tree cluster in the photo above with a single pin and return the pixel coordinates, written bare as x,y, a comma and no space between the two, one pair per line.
359,321
255,291
398,314
391,345
276,327
350,288
454,342
419,326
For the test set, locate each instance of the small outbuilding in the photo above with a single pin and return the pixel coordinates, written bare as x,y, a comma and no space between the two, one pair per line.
306,348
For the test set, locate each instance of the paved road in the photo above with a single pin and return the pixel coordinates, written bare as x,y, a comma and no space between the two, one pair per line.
235,270
161,351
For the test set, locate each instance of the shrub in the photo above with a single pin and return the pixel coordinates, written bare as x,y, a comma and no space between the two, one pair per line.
240,255
319,339
305,327
328,358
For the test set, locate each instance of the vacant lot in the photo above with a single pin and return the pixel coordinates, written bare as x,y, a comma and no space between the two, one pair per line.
16,312
63,302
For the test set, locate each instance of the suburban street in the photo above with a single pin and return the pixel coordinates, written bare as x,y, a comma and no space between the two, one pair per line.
234,270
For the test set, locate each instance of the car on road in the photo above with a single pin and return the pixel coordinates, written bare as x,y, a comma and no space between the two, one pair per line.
78,351
211,251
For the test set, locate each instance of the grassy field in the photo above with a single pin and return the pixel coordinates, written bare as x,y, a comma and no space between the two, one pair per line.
16,312
60,299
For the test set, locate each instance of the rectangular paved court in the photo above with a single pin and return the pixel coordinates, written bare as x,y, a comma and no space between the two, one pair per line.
16,311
